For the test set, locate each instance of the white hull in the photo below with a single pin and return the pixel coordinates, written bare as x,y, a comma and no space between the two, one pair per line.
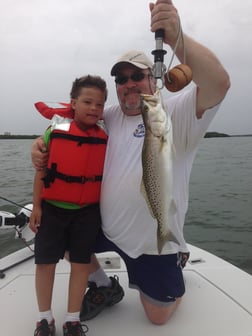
218,300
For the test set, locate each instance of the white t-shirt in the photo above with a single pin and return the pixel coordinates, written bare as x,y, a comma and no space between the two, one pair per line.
125,216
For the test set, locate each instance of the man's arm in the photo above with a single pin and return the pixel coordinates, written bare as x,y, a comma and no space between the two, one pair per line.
209,75
39,154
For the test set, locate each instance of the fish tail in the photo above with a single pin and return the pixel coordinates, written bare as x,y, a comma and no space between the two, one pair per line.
160,244
162,239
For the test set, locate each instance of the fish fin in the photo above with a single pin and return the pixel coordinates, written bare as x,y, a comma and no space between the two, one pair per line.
161,240
173,207
144,193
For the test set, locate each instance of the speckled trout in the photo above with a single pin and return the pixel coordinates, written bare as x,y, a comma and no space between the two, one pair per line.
157,157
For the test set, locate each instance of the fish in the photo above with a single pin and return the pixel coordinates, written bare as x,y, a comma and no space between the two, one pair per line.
157,161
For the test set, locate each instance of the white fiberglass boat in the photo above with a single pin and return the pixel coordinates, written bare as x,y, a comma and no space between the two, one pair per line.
218,299
9,220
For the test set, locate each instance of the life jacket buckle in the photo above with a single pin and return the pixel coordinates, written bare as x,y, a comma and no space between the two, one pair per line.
85,179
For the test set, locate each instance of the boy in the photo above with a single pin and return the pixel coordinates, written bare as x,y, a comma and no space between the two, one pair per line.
66,214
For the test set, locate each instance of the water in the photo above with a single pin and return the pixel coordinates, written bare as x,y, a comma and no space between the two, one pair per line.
16,181
219,218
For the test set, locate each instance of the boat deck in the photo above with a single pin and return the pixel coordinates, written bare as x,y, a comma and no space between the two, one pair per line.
218,300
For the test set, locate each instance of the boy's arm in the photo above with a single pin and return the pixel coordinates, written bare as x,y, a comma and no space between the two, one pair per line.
40,173
37,210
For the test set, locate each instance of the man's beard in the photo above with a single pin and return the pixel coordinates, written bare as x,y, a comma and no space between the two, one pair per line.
132,104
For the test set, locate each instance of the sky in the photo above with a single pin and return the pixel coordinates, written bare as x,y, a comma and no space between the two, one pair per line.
46,44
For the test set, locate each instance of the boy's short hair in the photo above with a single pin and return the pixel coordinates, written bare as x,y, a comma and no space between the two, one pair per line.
87,82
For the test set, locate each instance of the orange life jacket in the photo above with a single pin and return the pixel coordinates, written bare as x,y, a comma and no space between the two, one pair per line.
75,165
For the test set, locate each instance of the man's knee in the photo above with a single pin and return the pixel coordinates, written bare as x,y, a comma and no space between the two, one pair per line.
159,315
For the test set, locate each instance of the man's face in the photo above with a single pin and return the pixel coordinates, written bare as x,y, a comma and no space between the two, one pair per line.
130,83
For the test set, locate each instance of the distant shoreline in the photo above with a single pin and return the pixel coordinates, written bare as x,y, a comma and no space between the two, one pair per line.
17,137
224,135
34,136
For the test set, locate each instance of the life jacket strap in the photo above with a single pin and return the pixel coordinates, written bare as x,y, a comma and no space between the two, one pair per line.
81,140
52,174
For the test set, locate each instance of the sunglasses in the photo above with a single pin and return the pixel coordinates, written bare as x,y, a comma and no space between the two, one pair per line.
136,77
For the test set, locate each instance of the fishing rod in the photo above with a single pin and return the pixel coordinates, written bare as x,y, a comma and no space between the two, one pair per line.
14,203
173,79
159,67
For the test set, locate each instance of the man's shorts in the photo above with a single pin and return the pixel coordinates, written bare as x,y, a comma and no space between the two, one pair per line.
158,278
63,229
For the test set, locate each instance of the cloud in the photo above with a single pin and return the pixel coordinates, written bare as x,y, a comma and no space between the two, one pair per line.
45,44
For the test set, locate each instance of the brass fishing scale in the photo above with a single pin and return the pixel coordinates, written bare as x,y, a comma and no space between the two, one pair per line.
174,79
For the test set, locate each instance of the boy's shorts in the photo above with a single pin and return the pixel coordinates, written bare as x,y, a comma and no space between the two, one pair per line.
63,229
158,278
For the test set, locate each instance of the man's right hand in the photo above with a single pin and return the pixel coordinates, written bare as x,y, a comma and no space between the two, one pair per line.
39,154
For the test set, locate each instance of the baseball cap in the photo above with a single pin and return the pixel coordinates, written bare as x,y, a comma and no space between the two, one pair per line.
134,57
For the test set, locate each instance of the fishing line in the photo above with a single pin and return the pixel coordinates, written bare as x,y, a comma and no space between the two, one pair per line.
180,35
19,233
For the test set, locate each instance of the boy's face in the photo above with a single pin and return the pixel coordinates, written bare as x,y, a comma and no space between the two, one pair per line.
88,106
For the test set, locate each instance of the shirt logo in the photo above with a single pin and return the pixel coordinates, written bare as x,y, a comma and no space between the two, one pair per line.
139,131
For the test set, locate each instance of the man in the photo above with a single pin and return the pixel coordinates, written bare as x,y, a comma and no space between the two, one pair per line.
127,224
